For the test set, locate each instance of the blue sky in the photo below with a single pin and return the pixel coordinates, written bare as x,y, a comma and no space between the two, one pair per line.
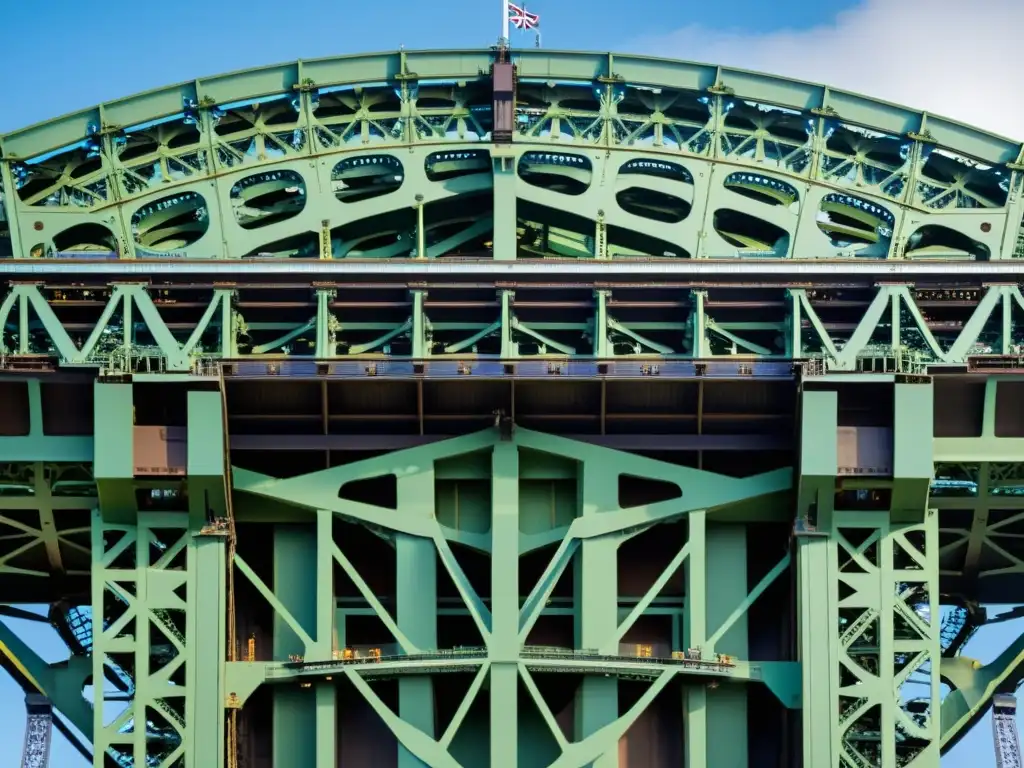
144,47
945,56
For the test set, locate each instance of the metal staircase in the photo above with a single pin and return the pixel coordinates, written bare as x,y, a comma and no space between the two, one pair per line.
951,626
77,622
957,628
857,626
75,625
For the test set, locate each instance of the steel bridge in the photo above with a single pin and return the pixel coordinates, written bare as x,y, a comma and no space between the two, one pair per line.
488,408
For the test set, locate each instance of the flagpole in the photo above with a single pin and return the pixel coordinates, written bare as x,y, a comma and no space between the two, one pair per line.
504,23
536,30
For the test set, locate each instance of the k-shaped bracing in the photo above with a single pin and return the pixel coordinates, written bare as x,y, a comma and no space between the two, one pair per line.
303,599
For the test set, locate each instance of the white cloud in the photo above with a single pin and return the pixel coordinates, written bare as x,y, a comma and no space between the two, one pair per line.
956,58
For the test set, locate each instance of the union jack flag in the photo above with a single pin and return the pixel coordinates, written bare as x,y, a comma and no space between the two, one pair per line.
521,18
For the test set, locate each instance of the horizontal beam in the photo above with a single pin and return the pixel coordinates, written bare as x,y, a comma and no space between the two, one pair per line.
618,442
521,330
473,368
762,271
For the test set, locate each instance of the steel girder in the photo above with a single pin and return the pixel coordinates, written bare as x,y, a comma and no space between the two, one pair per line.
875,577
880,575
158,593
133,328
389,159
590,539
390,155
419,527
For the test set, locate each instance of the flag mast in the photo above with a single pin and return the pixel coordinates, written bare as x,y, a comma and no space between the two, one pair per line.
536,29
504,42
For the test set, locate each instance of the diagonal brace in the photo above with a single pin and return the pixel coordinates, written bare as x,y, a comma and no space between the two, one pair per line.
584,752
477,610
648,598
276,604
416,741
467,701
543,708
375,604
743,607
542,590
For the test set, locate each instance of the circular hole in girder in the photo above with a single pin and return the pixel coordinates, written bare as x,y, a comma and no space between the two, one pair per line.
171,223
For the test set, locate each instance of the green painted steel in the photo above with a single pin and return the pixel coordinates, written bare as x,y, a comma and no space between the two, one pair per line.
497,595
389,156
160,585
867,592
595,534
185,330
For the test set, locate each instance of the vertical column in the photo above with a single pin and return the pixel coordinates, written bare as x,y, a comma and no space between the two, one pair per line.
505,240
931,632
794,325
114,454
295,574
819,457
326,725
596,603
701,346
325,602
504,647
817,583
24,334
912,465
326,345
509,348
205,622
421,228
416,603
695,632
326,605
144,692
884,601
602,347
420,349
35,408
726,569
1006,302
818,640
106,640
228,340
205,629
114,469
8,183
600,237
909,567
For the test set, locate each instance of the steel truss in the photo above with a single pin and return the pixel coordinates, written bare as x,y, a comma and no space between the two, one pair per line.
876,573
656,161
875,577
318,226
136,328
160,592
590,540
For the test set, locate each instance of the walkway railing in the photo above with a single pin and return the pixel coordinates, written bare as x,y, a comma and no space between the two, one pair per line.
627,652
